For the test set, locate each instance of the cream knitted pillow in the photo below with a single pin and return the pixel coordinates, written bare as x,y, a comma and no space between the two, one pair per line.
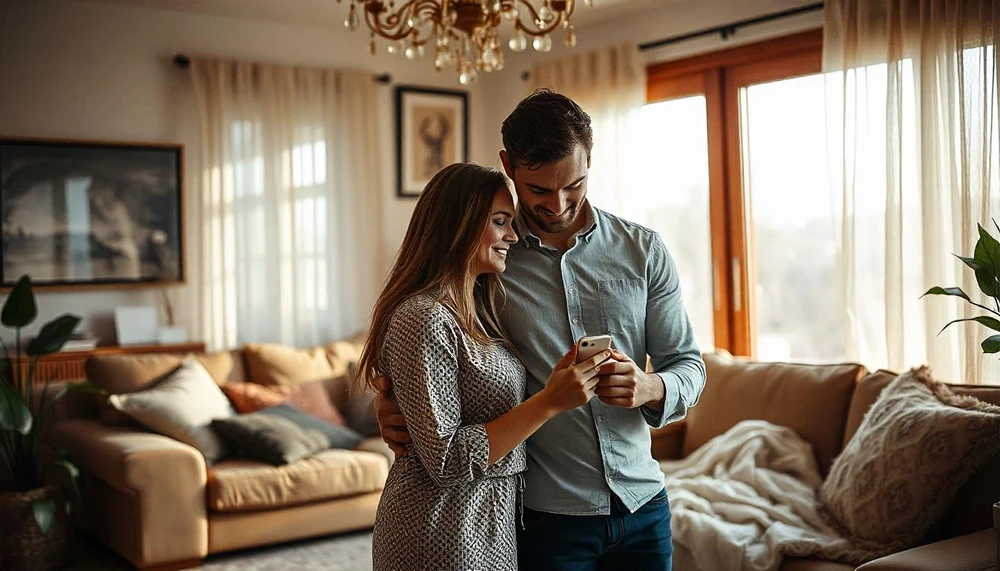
917,445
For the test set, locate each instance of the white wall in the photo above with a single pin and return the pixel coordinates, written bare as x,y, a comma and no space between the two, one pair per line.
503,90
103,72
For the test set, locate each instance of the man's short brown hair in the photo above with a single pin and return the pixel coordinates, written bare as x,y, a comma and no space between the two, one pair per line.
545,127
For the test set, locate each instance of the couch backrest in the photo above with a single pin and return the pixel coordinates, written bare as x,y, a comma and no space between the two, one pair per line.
811,399
972,509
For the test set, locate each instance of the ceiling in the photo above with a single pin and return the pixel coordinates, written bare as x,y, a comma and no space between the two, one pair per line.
327,13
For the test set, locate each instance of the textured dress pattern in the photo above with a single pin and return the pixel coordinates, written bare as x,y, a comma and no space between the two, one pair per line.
444,507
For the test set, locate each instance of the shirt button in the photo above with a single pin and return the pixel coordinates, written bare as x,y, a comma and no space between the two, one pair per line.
576,320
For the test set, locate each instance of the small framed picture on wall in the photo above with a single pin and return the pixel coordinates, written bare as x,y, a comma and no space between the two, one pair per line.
432,132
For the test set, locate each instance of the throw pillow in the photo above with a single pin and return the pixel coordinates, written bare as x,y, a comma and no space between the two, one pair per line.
312,398
251,397
270,438
336,436
917,445
181,406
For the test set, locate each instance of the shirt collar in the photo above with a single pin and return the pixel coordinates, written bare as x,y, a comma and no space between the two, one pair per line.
586,232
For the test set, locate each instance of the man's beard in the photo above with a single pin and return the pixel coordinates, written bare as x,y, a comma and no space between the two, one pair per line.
554,227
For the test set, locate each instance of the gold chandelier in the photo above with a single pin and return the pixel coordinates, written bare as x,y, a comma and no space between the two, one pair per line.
465,33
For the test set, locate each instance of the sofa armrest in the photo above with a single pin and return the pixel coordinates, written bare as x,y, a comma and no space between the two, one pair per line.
668,442
167,479
973,552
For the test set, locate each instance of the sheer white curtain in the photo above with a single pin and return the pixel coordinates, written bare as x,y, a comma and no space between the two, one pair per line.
288,203
912,105
610,85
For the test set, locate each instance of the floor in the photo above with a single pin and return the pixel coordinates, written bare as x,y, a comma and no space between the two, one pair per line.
347,552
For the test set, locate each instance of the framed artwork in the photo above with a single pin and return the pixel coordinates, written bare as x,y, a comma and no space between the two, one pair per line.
432,132
88,214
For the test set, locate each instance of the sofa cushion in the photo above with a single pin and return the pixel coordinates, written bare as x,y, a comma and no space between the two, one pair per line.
973,551
336,436
270,438
244,485
271,364
972,509
181,406
918,443
312,398
810,399
118,374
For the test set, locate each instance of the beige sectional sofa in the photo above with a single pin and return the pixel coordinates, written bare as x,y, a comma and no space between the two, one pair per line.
156,502
825,404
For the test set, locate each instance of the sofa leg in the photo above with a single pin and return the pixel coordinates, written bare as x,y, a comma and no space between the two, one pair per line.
175,565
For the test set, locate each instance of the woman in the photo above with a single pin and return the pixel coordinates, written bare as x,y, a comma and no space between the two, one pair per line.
450,503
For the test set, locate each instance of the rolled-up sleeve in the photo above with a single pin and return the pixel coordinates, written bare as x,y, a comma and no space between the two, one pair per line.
421,353
670,340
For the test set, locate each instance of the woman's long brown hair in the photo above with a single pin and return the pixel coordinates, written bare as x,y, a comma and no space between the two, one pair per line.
437,253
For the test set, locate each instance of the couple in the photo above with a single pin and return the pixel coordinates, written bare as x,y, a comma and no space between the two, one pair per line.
463,363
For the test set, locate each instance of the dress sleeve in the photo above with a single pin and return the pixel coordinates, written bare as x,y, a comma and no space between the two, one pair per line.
421,354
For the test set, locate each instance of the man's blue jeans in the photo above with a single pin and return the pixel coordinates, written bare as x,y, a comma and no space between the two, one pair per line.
639,541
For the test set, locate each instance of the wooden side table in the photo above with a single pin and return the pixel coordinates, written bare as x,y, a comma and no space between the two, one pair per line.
68,365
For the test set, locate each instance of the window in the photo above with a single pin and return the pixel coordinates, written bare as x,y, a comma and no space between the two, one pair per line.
739,145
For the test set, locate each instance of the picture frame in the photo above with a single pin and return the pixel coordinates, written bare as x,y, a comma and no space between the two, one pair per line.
91,215
432,132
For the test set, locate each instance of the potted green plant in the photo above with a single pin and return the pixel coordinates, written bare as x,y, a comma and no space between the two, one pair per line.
34,523
985,262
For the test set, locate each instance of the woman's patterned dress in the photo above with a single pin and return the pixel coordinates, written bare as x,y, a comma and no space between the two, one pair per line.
443,507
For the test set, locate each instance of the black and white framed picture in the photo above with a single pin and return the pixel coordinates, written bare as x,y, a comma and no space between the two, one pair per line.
85,214
432,132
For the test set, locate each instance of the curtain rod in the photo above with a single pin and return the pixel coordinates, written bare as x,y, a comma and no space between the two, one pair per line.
728,30
184,62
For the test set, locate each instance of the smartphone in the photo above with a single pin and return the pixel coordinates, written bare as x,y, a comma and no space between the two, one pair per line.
587,347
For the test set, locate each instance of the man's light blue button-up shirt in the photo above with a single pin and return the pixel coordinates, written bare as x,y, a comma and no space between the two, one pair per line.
616,278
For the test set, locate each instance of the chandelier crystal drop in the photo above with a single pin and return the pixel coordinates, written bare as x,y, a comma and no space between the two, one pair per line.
464,34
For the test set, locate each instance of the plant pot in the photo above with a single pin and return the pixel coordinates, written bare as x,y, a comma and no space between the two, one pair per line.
23,546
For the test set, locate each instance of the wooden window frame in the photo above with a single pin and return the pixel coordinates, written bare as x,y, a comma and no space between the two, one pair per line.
719,77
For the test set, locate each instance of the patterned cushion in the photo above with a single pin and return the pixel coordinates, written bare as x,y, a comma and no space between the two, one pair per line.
917,445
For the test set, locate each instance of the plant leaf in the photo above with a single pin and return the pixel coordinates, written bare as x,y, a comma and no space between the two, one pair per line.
19,310
991,344
44,511
987,252
14,413
74,473
53,335
971,262
955,291
990,322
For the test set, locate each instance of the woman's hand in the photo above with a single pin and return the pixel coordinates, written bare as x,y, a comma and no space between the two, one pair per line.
569,385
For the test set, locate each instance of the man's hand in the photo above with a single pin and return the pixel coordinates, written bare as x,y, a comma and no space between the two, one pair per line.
624,384
391,423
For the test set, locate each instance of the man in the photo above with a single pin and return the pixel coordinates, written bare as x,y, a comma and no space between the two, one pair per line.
593,496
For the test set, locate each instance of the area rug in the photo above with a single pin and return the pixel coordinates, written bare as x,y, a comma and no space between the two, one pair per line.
347,552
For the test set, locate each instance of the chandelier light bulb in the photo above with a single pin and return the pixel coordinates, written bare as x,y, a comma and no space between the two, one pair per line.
468,76
571,37
511,13
410,52
589,3
542,43
546,14
351,23
518,42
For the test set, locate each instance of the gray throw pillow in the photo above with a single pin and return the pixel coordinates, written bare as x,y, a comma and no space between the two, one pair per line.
270,438
336,436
